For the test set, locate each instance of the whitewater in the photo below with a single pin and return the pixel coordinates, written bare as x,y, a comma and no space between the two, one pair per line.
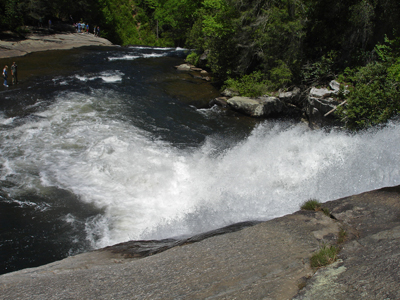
147,168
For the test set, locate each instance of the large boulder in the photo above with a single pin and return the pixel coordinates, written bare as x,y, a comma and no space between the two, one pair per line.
321,102
259,107
292,97
321,92
184,67
323,105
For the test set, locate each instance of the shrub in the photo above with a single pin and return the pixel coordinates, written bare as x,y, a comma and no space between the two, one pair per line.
325,256
375,94
374,98
321,70
252,85
193,58
280,76
311,204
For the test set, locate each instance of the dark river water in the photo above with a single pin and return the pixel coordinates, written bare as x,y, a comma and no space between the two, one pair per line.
104,145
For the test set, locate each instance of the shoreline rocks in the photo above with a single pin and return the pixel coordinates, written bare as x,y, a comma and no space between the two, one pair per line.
202,74
316,105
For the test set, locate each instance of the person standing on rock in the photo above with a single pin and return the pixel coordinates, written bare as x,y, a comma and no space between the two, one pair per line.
14,72
5,75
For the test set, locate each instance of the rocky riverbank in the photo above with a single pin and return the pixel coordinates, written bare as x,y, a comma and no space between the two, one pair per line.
15,45
269,260
310,104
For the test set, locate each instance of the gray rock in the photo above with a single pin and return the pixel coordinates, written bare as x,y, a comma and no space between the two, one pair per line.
369,262
292,96
247,106
220,101
229,93
335,86
37,42
203,58
183,67
323,105
272,105
320,93
265,261
260,107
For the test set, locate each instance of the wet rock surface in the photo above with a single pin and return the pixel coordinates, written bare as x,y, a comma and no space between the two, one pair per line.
268,260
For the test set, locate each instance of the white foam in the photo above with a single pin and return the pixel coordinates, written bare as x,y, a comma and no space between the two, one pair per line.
149,189
151,48
151,55
111,76
125,57
154,54
84,78
106,76
6,121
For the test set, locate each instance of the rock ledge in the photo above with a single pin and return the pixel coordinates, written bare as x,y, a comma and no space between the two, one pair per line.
269,260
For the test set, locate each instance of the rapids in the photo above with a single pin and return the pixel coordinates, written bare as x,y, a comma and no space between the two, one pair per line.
117,145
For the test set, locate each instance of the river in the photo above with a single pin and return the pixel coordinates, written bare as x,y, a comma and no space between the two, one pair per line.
101,145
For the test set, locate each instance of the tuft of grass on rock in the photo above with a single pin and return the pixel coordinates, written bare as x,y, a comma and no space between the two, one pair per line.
325,256
342,236
311,204
326,211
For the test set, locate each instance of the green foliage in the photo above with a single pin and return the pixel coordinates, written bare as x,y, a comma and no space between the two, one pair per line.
216,23
321,70
280,76
311,204
278,34
325,256
252,85
257,46
375,93
12,17
193,58
176,17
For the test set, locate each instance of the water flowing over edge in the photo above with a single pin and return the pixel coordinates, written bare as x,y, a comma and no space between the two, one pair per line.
149,189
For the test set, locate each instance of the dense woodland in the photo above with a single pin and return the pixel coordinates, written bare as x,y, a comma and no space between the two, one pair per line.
256,46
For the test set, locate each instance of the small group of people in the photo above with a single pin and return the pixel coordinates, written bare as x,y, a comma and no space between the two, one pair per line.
82,27
14,74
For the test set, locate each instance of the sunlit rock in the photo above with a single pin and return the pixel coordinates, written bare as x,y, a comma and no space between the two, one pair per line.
260,107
